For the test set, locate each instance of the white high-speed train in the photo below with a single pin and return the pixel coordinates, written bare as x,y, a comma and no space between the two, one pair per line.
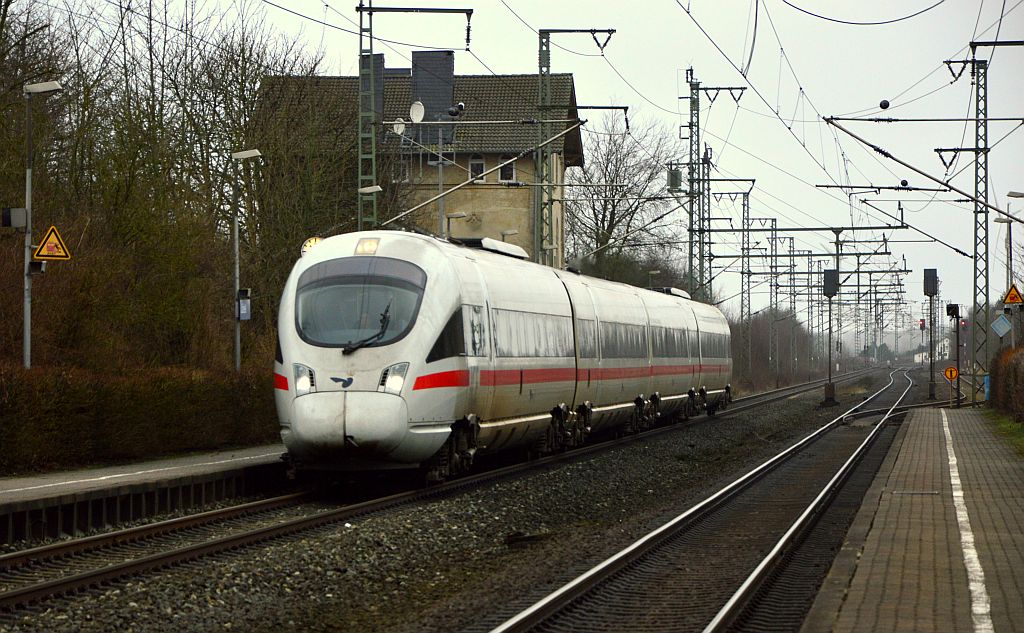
404,350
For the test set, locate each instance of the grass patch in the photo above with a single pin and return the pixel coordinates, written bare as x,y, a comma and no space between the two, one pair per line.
1005,426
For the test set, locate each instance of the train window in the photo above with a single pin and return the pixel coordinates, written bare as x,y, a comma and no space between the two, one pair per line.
528,334
623,340
668,342
476,330
369,301
450,342
586,336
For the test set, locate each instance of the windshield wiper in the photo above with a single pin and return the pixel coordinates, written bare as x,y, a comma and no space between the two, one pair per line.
385,319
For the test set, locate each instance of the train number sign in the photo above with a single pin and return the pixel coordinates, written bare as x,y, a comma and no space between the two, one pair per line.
951,373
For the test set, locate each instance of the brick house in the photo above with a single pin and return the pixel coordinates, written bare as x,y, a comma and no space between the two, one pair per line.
498,205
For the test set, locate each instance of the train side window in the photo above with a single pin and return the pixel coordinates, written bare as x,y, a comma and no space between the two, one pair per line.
586,334
451,342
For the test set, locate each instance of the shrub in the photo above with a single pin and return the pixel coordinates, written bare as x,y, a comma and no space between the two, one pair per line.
54,418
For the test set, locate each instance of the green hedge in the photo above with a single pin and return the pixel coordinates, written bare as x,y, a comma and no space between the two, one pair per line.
1007,383
57,418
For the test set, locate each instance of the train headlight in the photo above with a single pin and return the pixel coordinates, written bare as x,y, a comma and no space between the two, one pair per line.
392,379
305,380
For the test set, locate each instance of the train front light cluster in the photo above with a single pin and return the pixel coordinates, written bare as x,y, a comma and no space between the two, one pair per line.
305,380
392,379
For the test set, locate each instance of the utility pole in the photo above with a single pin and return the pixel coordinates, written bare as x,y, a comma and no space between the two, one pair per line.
979,349
369,113
698,192
792,307
773,294
367,202
546,236
745,286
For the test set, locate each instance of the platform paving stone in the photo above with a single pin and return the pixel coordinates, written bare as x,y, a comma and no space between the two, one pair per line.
902,567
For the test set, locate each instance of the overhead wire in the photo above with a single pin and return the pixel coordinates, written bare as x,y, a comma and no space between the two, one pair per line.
856,23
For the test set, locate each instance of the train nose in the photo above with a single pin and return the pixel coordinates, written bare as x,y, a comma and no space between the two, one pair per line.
369,423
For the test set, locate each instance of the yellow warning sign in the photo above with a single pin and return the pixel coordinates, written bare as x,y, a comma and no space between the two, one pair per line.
951,373
1013,295
52,247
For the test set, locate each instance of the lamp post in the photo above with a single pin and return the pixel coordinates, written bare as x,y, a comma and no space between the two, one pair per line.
453,216
1009,259
239,156
44,88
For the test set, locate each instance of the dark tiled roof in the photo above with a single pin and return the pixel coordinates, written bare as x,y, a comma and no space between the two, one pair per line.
487,98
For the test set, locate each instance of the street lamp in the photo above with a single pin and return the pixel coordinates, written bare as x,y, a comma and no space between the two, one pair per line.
453,216
43,89
239,156
650,277
1009,246
508,233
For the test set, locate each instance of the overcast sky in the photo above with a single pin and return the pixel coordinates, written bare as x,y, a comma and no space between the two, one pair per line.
804,67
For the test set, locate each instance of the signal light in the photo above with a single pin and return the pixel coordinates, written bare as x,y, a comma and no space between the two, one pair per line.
921,323
963,323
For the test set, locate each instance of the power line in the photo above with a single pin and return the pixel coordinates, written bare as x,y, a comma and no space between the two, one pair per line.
852,23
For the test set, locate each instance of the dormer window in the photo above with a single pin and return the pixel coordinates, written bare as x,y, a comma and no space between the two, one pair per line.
508,172
476,167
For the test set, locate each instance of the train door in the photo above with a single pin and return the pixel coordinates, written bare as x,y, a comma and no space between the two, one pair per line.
476,330
585,328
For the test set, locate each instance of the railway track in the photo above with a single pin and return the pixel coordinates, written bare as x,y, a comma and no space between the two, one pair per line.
694,573
66,567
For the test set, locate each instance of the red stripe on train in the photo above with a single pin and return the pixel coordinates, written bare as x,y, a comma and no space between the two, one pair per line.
457,378
507,377
280,382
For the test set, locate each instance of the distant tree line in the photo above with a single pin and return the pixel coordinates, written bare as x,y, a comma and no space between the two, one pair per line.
133,165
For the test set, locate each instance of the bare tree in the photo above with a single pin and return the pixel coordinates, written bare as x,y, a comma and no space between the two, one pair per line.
618,201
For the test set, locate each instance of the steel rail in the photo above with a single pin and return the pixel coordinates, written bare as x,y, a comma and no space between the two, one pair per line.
128,535
582,584
14,598
739,600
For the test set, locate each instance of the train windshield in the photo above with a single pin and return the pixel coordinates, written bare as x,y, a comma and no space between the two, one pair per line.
356,302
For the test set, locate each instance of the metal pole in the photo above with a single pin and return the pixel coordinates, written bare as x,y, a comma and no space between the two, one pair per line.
1009,274
26,340
440,184
956,324
238,322
931,348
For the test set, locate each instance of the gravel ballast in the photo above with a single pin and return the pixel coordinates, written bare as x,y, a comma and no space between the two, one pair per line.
465,562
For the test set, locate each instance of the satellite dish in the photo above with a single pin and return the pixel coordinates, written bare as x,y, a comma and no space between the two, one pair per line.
416,112
399,126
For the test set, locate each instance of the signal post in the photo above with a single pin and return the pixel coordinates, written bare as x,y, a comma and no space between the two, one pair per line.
931,288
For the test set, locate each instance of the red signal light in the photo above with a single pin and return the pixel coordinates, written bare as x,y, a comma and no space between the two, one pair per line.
921,323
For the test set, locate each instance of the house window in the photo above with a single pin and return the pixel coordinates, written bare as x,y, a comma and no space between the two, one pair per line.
508,172
476,167
400,170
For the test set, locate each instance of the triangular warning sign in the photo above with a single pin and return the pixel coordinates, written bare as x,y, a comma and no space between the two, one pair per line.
52,247
1013,295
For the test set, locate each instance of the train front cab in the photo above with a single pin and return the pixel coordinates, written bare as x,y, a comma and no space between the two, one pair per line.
354,320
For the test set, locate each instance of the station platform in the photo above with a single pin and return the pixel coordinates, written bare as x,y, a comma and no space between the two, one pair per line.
938,544
72,502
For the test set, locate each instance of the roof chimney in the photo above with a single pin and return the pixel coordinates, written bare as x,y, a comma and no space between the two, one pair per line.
433,84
